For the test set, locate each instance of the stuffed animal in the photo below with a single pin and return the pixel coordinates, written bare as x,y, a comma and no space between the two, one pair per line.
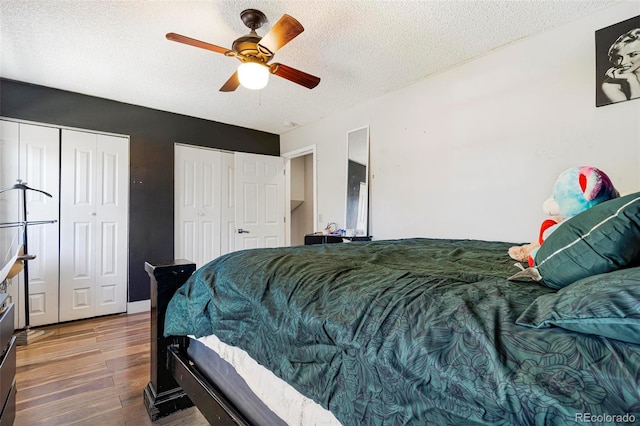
576,190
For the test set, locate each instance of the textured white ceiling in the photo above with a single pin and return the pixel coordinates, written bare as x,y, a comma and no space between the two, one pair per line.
360,49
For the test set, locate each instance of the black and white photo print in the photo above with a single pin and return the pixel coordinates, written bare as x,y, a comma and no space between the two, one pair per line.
618,62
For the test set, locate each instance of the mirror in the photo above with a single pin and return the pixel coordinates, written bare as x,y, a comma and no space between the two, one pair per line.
357,212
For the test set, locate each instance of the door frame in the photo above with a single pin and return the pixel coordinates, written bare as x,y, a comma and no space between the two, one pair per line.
288,156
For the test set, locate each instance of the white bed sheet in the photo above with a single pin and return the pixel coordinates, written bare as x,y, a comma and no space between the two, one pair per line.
286,402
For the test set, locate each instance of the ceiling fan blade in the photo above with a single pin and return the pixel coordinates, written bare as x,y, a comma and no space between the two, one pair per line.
196,43
231,84
302,78
281,33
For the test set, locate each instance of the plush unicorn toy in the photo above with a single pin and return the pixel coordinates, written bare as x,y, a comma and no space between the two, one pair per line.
576,190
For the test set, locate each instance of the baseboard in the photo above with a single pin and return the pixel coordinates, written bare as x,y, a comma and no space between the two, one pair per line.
139,306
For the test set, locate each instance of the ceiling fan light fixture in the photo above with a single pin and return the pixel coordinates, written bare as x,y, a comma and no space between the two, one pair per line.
253,75
255,53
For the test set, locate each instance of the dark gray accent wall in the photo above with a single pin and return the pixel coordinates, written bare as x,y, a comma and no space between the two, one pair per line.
152,135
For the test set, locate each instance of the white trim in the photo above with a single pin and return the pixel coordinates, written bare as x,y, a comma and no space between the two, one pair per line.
288,156
300,152
368,169
190,145
61,127
139,306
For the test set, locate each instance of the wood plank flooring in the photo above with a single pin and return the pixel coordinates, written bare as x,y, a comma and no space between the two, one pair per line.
90,372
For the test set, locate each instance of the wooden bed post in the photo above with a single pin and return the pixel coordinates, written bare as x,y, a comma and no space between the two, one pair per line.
163,396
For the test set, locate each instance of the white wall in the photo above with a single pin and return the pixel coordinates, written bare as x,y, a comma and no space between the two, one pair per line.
473,152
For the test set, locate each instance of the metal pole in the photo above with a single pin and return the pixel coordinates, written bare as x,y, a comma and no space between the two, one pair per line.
26,261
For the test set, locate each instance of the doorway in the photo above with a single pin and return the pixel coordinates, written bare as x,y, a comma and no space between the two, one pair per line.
301,183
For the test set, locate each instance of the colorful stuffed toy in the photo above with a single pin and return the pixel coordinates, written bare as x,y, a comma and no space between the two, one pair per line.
576,190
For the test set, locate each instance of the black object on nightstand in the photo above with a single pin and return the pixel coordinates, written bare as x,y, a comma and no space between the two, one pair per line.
7,363
311,239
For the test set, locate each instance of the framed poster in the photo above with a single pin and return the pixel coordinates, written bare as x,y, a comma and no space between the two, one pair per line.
618,62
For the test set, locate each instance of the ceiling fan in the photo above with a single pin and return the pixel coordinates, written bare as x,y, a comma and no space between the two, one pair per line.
255,52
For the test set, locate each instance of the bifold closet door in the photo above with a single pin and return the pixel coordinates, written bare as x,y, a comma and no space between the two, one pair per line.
226,202
197,192
10,238
31,153
93,224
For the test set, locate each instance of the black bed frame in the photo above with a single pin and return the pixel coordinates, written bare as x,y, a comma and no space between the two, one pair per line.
176,383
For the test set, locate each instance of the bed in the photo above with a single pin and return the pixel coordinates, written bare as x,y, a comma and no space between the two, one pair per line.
414,331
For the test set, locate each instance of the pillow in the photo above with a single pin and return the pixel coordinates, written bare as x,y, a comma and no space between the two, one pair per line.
602,239
606,305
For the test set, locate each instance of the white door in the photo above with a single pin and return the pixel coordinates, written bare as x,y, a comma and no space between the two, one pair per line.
9,207
197,203
31,153
10,238
93,224
260,201
39,169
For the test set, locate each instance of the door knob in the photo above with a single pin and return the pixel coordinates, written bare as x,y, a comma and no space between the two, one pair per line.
242,231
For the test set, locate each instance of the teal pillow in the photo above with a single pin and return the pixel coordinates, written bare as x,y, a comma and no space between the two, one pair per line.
602,239
605,305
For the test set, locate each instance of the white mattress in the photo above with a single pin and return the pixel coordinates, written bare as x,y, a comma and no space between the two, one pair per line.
287,403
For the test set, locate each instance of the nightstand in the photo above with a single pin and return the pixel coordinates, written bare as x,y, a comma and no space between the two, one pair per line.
311,239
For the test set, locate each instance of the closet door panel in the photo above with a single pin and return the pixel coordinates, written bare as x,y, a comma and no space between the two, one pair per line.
39,154
9,208
82,238
78,278
43,276
77,233
109,250
83,177
10,238
209,224
210,240
186,241
111,221
109,267
110,275
197,203
186,210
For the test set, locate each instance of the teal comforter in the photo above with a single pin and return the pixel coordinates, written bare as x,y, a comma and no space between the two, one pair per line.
400,332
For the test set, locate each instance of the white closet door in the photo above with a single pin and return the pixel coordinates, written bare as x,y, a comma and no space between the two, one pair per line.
9,208
260,201
93,225
31,153
40,169
10,238
197,203
112,221
204,229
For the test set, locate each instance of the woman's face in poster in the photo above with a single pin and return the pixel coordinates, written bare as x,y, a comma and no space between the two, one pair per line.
627,59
